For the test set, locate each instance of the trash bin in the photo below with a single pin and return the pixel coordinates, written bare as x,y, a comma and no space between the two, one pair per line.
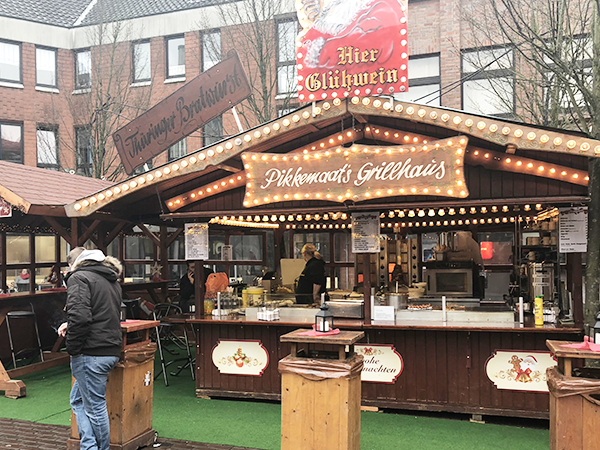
321,393
129,391
574,411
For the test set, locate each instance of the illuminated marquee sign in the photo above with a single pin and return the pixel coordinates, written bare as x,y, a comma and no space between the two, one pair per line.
358,173
351,47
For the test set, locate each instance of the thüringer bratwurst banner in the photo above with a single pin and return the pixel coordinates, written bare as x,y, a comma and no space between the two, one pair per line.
351,47
207,96
357,173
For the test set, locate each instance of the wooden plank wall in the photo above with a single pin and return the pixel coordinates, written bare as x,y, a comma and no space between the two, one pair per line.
443,370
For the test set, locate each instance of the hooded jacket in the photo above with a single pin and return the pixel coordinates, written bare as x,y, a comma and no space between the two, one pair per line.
94,305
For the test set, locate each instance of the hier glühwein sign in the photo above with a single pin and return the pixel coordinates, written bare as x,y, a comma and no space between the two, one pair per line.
351,47
205,97
361,172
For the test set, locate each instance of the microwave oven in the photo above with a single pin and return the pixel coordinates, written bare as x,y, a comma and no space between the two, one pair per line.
450,282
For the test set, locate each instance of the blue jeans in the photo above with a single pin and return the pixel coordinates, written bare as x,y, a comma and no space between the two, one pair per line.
88,399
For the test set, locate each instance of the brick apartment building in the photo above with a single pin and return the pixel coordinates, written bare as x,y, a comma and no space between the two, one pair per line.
51,65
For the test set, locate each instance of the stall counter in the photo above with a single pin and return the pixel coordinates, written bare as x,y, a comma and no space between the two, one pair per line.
443,367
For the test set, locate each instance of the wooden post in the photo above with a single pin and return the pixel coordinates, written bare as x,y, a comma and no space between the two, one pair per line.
592,271
3,259
57,258
74,232
11,388
31,263
367,285
164,259
574,278
199,290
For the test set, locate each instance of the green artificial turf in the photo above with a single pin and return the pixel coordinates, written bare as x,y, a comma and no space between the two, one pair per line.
178,414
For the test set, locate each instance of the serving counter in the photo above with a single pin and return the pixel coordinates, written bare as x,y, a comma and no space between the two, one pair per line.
438,367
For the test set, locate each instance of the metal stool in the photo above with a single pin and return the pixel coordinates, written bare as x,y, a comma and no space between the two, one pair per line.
165,334
22,315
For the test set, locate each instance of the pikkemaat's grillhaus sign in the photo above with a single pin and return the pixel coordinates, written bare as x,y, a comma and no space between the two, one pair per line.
351,47
205,97
357,173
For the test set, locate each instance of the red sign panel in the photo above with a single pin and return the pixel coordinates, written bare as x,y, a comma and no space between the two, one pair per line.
351,47
5,209
207,96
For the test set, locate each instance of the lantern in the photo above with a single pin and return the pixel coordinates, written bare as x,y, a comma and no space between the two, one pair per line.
595,330
123,312
487,250
324,319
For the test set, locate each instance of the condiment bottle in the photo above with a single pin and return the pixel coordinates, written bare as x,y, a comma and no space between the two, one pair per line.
244,298
539,310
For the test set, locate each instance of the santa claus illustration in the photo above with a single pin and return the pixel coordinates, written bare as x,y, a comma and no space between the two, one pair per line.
363,24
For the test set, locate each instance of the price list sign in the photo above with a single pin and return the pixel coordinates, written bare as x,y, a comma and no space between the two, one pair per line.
196,241
365,233
573,227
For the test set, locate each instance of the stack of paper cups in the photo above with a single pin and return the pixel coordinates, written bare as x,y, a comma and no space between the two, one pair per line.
521,310
444,312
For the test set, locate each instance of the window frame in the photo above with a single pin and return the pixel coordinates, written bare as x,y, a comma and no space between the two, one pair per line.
487,75
286,63
217,139
52,129
49,49
20,45
133,60
76,68
426,81
80,169
13,123
170,156
167,67
203,40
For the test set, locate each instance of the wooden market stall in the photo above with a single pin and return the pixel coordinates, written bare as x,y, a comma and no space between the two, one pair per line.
507,177
36,234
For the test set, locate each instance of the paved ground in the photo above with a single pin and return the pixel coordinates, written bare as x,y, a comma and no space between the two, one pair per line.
23,435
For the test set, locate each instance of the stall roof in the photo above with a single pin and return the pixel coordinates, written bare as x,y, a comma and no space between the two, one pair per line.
41,191
218,172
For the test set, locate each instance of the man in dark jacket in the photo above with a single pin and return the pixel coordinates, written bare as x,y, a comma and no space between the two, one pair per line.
93,339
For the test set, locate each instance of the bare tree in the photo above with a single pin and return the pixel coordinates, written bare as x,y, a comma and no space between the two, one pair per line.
556,44
104,99
251,28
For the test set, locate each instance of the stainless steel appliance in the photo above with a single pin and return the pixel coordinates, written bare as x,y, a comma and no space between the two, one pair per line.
450,282
541,280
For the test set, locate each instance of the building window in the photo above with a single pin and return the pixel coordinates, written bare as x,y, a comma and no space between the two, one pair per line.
178,150
285,111
83,151
287,72
175,57
211,49
213,131
47,147
423,80
83,69
45,67
148,165
489,81
10,62
564,89
140,61
11,142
